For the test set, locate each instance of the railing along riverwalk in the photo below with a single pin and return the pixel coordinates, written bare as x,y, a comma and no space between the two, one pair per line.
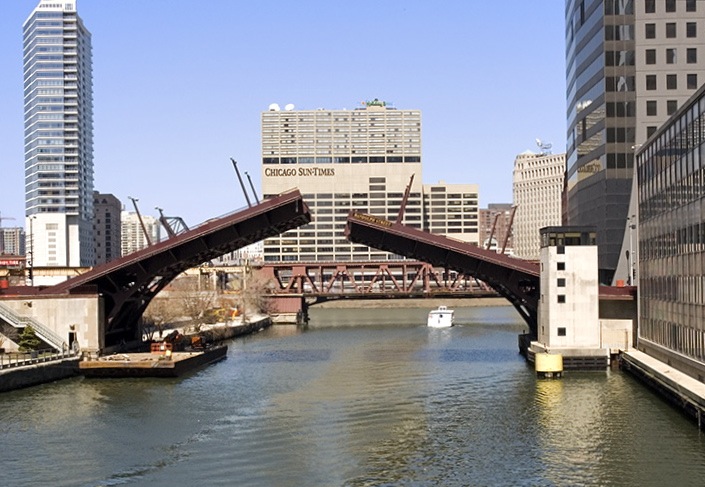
19,359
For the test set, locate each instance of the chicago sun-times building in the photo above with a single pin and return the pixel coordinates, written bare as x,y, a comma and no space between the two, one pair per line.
671,235
360,159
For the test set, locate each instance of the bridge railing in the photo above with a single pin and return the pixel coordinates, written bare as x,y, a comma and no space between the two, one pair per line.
19,359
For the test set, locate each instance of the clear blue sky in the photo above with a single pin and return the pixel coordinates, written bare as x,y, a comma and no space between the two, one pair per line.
179,87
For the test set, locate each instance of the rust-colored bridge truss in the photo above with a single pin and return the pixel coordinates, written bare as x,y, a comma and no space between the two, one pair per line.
381,279
128,284
515,279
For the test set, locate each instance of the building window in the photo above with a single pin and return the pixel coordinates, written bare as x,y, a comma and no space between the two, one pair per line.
560,249
561,298
671,106
650,56
650,131
650,6
690,5
650,81
651,108
671,82
650,31
670,56
561,331
692,81
670,30
691,55
560,282
670,5
560,266
691,29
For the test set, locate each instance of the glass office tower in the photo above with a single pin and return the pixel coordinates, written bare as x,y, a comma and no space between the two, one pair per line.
671,177
58,94
601,111
629,66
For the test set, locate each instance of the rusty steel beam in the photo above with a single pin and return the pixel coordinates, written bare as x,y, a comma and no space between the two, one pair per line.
368,279
515,279
128,284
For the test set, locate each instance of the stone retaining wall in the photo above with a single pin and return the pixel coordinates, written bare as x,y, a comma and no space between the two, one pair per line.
31,375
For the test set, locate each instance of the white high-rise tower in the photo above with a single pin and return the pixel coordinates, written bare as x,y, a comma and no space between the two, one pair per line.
58,96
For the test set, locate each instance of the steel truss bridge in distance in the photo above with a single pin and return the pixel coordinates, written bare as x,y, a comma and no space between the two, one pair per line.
364,280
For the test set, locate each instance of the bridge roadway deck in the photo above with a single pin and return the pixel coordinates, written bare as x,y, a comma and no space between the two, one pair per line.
128,284
515,279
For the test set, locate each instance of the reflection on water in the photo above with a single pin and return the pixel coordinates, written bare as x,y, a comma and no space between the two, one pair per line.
388,403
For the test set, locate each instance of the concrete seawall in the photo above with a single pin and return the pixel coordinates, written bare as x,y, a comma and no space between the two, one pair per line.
680,390
40,373
429,303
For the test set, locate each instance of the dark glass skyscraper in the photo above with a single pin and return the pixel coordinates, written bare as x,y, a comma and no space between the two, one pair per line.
629,65
601,110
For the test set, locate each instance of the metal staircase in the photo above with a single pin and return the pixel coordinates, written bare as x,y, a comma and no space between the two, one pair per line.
42,332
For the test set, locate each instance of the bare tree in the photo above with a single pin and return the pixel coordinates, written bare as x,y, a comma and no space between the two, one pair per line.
160,313
195,299
254,296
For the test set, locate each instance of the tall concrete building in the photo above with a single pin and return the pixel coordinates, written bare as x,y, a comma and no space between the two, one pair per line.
107,227
537,186
340,160
629,65
58,119
132,235
12,241
452,210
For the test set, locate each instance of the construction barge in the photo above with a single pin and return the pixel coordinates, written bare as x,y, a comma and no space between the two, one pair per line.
166,364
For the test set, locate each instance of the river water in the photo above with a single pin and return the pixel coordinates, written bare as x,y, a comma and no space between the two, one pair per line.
363,397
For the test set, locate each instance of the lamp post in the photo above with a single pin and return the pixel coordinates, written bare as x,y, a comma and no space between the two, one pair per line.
632,225
30,264
139,217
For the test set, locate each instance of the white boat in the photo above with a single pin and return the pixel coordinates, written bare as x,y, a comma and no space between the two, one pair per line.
442,317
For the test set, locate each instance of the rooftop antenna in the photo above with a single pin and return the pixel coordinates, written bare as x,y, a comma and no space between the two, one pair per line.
252,186
544,147
139,217
237,171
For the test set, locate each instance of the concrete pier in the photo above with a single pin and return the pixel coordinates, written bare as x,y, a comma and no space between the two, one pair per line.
681,390
151,365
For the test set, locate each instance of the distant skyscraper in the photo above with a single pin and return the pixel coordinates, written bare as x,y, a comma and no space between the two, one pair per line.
452,210
106,227
537,188
629,66
58,91
132,236
341,160
12,241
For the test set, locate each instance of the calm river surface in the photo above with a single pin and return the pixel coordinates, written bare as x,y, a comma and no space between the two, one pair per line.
363,397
